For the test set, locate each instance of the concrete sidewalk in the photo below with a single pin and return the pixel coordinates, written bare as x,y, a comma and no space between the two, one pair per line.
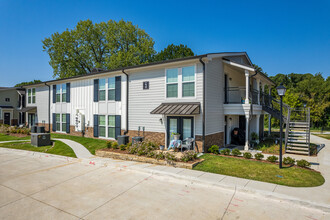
79,149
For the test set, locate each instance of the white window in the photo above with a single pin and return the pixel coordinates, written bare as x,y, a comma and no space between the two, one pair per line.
32,96
58,93
111,126
102,89
188,81
172,83
64,92
102,125
58,122
64,122
111,88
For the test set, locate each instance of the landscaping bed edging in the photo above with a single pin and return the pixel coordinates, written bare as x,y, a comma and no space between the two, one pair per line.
132,157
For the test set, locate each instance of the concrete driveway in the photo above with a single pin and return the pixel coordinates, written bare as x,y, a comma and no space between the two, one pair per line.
43,186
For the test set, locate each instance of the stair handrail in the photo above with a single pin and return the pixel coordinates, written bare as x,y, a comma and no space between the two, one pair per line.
287,128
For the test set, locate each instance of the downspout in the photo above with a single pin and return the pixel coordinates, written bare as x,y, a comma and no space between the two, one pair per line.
48,107
125,132
200,60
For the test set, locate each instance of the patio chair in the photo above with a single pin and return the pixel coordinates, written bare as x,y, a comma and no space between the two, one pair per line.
188,143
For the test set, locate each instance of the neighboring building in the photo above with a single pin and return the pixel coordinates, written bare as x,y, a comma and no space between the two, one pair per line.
10,104
204,97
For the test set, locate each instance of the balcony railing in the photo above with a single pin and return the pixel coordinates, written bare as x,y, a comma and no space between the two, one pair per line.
236,95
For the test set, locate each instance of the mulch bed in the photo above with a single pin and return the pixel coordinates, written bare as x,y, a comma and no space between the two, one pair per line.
17,135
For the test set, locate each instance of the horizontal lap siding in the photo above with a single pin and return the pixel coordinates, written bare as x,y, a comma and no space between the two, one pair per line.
214,96
142,102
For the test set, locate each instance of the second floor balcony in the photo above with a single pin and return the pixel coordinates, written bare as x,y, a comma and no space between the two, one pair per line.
237,95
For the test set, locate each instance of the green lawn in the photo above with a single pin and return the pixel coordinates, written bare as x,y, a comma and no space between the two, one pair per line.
60,148
90,143
255,170
5,137
327,136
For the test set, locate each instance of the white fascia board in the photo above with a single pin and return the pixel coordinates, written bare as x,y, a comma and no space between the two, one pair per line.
240,66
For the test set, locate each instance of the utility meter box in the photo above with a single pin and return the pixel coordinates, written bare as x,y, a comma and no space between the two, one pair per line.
79,122
40,139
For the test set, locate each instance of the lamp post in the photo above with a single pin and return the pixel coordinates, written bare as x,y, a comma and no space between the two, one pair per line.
281,91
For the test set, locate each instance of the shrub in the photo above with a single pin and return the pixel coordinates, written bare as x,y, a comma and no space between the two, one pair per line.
160,156
132,149
254,136
170,157
214,149
236,152
303,163
109,144
114,145
225,151
151,154
247,155
258,156
272,159
288,161
188,156
122,147
129,144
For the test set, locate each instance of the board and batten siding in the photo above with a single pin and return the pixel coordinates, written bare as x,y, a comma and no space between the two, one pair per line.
142,102
214,99
41,104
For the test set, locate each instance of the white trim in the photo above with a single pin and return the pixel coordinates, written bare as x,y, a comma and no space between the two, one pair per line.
239,65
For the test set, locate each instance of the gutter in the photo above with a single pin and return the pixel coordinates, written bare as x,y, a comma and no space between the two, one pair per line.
48,106
125,132
200,60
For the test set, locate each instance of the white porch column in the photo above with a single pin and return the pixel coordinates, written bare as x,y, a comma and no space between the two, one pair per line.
258,125
258,89
247,86
246,147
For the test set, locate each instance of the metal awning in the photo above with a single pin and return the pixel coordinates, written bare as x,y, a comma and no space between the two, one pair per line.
28,109
180,108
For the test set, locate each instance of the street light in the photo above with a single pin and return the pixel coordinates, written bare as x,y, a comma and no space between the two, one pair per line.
281,91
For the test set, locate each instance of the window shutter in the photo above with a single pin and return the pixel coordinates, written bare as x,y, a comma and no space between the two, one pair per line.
118,125
118,88
67,123
96,125
96,90
54,93
54,122
68,92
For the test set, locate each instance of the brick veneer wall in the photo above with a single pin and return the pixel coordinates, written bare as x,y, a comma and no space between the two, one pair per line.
212,139
1,121
158,137
89,132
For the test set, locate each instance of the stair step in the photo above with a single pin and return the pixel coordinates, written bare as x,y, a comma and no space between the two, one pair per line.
297,148
297,152
298,123
297,132
298,144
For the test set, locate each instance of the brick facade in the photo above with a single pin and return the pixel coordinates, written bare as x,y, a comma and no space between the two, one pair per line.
89,132
212,139
157,137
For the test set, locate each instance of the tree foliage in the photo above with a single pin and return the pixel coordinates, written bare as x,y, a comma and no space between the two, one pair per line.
306,89
27,83
107,45
173,52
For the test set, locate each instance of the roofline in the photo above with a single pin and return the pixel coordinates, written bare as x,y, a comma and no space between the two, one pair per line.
139,66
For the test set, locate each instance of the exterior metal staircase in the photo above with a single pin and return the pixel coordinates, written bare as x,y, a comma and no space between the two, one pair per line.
297,121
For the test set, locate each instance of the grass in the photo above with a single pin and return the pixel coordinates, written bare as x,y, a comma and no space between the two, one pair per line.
5,137
326,136
90,143
255,170
59,148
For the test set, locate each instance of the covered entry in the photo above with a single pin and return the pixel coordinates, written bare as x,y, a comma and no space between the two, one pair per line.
31,114
180,119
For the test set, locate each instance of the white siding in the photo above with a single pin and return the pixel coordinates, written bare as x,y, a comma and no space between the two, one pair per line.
214,97
41,104
142,102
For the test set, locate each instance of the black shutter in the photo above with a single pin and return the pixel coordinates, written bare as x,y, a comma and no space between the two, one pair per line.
68,92
96,125
118,88
118,125
67,123
54,122
96,90
54,93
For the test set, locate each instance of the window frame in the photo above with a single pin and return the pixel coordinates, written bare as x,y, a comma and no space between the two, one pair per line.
111,89
180,82
112,127
63,122
58,122
58,93
105,125
63,93
105,90
172,83
31,97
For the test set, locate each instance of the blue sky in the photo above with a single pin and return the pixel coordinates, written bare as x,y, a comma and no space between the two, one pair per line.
280,36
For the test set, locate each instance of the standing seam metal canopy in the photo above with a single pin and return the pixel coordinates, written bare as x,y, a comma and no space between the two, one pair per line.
188,108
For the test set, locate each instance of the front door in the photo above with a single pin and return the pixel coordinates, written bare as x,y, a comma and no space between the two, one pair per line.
6,117
31,119
182,125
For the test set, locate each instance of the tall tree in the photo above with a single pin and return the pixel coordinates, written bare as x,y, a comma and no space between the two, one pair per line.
107,45
173,52
28,83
